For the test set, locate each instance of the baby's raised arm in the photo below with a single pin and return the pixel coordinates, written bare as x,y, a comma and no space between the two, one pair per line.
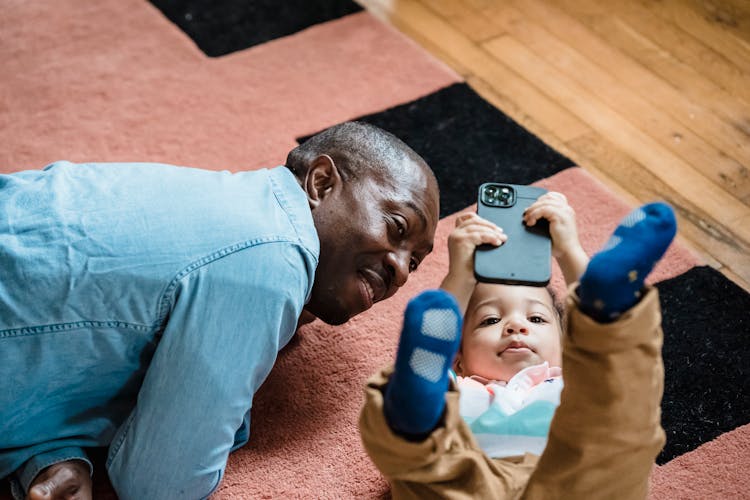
470,232
566,247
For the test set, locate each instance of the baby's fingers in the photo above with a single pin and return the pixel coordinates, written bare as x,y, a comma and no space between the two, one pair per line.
539,210
494,236
553,197
550,208
465,217
471,219
478,234
481,235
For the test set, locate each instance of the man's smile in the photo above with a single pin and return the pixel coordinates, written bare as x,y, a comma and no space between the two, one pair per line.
373,287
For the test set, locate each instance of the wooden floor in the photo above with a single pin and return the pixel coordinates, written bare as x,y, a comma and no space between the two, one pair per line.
650,96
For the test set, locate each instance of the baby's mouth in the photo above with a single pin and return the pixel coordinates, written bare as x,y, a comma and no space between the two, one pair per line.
516,347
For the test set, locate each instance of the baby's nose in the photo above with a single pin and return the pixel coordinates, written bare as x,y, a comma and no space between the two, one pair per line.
515,327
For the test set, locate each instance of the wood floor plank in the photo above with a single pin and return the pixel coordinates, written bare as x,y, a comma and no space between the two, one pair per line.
704,27
694,115
479,5
702,230
592,110
716,165
732,15
661,62
684,47
469,59
464,16
735,278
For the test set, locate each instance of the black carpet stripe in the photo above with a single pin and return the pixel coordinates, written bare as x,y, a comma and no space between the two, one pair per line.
706,321
467,141
219,27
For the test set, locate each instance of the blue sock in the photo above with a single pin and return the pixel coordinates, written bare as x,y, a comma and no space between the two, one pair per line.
614,279
414,398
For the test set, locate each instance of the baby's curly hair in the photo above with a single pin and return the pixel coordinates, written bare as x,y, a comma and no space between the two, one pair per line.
558,304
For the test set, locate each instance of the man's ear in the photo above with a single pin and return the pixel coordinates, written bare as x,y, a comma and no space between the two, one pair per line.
321,180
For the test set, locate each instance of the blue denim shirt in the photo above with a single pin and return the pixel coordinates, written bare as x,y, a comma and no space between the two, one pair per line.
103,264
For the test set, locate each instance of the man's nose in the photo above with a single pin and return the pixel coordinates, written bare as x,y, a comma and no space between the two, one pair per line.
398,262
515,325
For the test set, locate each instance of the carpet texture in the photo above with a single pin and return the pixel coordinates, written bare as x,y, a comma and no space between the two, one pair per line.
117,80
221,27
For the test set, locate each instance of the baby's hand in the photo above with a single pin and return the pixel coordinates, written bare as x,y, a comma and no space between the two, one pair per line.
566,247
554,207
470,232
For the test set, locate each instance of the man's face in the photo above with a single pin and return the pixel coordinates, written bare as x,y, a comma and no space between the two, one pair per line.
373,232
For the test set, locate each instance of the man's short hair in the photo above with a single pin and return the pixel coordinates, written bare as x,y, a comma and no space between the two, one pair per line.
355,147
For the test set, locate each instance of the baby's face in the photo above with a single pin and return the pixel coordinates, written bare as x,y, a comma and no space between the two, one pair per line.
506,329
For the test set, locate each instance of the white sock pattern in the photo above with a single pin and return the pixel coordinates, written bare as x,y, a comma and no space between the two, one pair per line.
427,364
440,324
633,218
613,241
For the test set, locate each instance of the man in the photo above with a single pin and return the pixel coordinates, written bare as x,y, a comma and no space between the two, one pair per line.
141,306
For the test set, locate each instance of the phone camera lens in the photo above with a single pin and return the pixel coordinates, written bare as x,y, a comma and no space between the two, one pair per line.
497,195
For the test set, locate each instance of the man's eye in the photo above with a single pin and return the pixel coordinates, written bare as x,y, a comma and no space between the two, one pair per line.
489,321
400,227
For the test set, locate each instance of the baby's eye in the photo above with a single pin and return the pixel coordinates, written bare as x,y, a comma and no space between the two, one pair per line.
489,321
537,319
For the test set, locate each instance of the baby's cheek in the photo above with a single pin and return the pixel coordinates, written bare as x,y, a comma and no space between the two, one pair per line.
556,356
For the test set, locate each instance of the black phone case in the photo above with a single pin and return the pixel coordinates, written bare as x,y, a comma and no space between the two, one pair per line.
525,258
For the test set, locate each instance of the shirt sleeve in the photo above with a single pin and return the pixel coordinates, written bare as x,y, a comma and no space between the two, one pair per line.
26,474
229,318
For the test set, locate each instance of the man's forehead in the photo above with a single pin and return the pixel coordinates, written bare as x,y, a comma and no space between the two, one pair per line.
415,191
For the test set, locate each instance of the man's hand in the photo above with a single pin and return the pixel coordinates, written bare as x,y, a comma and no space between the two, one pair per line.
62,481
566,247
470,232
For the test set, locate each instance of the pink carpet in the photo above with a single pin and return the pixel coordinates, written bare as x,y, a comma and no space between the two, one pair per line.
113,80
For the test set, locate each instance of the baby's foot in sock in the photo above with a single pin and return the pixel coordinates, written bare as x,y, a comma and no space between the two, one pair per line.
615,276
414,399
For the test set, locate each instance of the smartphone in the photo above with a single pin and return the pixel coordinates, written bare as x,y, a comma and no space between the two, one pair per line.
525,258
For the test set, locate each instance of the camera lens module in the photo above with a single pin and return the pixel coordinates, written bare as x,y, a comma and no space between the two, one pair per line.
498,195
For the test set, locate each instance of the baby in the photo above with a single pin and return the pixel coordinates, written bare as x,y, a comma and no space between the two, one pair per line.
488,431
